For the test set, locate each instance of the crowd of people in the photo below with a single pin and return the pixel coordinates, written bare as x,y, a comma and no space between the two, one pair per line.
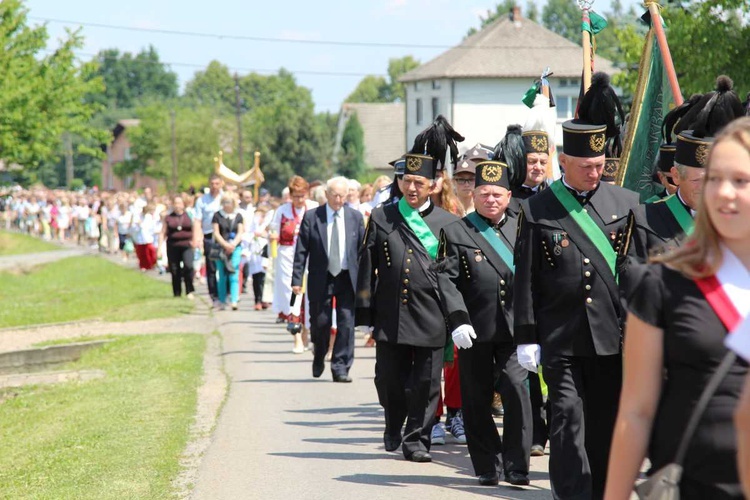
540,282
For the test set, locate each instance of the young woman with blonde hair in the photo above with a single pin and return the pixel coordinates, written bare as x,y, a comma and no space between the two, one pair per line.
674,341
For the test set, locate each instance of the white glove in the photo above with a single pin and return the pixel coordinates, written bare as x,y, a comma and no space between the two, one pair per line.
529,356
462,336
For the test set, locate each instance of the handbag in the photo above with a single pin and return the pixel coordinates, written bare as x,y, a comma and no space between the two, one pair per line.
664,484
213,250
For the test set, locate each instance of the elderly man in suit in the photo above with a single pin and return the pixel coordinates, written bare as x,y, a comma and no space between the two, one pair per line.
328,242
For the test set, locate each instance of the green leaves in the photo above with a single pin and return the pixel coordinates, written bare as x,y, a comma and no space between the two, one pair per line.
377,89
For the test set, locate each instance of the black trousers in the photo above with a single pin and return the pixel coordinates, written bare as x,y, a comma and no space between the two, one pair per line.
477,376
259,282
175,257
539,413
342,356
584,394
210,269
407,379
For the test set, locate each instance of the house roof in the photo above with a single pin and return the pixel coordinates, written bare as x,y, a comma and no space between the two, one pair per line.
508,49
383,125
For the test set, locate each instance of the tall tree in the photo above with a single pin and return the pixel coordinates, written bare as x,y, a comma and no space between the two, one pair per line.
42,96
503,9
564,18
212,87
132,80
352,161
377,89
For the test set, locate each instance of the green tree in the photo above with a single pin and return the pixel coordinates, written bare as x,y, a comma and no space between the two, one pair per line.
532,12
377,89
133,80
42,96
564,18
352,161
501,10
212,87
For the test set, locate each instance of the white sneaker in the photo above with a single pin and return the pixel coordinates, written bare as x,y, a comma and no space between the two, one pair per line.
438,434
457,427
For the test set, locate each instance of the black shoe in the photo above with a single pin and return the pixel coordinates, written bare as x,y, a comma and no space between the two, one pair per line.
391,442
342,378
318,368
489,479
537,450
517,478
420,456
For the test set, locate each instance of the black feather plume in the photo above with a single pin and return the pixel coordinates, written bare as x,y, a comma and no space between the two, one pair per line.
674,117
601,106
723,107
436,140
510,150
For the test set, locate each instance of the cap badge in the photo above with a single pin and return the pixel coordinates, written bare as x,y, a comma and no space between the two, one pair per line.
597,142
539,143
414,163
701,155
492,173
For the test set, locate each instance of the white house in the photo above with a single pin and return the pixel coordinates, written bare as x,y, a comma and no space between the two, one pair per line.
478,85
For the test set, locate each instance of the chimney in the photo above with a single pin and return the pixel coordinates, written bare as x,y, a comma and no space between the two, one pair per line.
515,13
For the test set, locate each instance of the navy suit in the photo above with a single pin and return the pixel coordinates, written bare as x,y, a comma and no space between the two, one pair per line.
312,250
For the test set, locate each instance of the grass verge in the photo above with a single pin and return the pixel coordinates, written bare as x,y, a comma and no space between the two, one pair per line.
111,438
84,288
16,244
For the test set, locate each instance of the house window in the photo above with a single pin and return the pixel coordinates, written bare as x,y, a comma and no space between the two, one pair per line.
419,112
435,84
126,156
416,85
566,107
435,107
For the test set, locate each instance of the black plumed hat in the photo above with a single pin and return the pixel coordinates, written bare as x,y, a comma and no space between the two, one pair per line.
673,121
510,150
601,106
713,111
436,141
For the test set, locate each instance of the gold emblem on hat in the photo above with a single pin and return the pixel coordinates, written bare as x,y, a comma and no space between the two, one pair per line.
492,173
701,155
597,142
413,163
539,144
611,166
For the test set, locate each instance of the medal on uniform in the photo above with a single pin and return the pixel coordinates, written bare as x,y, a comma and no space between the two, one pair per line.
557,238
478,256
565,242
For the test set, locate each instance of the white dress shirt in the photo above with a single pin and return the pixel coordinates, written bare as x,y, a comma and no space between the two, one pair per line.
341,236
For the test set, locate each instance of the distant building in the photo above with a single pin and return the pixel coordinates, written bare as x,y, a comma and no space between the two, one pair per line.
383,125
118,151
478,85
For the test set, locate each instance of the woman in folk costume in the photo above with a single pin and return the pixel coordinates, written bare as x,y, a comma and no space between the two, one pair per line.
284,229
680,315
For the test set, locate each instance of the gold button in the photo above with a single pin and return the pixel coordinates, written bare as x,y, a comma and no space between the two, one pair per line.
406,281
406,271
385,243
502,293
587,274
502,282
404,301
406,291
410,251
408,261
586,260
589,300
502,302
588,287
614,217
585,210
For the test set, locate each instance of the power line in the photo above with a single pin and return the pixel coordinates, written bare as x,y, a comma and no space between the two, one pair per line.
223,36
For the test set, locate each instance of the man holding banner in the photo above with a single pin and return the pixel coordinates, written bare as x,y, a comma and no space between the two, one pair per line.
397,294
475,277
568,312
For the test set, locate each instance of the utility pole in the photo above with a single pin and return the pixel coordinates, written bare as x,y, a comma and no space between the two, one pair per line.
174,153
239,120
68,160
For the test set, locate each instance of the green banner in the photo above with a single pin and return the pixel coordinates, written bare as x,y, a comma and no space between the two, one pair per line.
652,101
595,25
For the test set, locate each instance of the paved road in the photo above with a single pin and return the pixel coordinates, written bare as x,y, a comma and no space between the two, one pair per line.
284,435
10,262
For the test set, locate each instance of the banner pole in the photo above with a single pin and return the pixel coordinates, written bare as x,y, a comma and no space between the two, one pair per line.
661,38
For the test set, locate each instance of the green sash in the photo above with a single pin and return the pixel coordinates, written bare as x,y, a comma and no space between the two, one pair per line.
420,228
680,214
653,199
493,239
587,224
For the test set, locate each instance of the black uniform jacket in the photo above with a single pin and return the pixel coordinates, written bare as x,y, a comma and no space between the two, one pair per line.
565,296
520,193
656,230
397,283
476,286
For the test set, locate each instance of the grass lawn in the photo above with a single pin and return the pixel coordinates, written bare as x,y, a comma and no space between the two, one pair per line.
112,438
84,288
16,244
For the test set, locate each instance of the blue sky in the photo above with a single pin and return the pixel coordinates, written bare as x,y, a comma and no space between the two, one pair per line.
423,22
